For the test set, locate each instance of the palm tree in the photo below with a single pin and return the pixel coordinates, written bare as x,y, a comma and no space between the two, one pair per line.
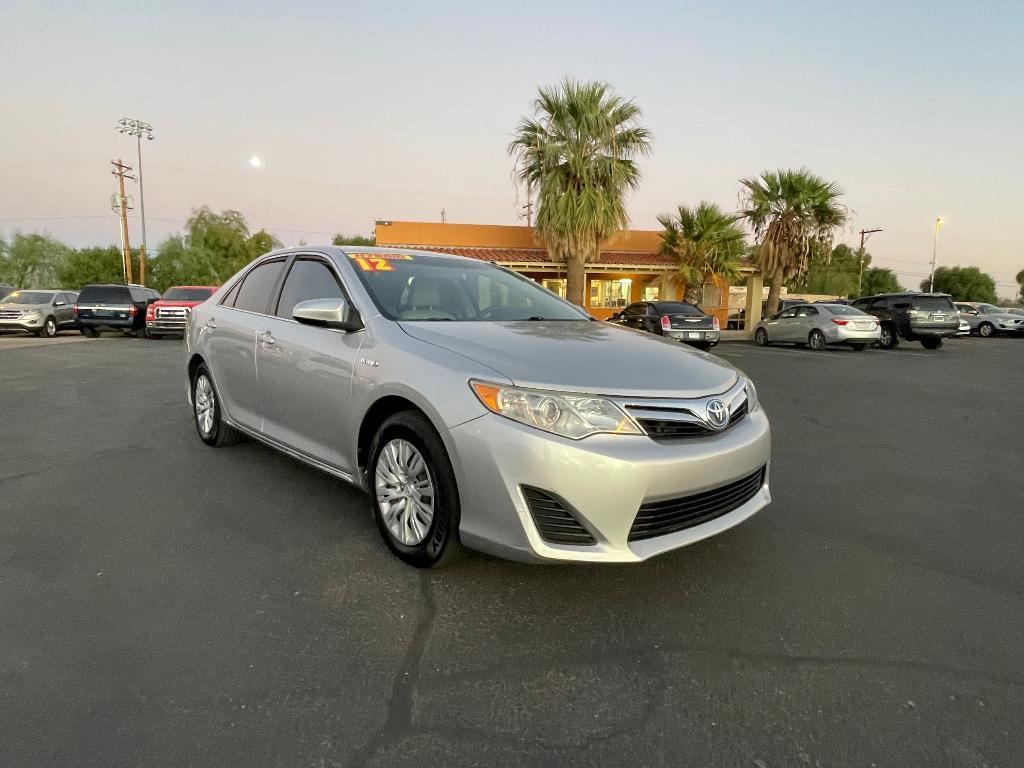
578,153
791,213
705,241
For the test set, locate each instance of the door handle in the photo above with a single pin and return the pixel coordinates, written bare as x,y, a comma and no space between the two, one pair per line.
265,337
211,324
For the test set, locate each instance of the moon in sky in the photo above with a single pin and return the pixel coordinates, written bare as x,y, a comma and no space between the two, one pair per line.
255,162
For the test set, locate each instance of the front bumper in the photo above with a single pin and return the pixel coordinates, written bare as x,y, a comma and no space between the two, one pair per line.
167,326
694,337
23,323
603,478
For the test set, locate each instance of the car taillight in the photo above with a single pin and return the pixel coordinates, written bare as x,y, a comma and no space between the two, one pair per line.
666,322
715,324
840,322
877,321
133,311
74,308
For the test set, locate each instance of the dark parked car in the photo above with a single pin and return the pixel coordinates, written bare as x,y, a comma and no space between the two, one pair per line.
924,317
737,321
114,308
6,288
679,320
40,312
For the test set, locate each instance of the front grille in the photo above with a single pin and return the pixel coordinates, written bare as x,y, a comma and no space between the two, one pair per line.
666,429
172,313
554,522
663,517
9,314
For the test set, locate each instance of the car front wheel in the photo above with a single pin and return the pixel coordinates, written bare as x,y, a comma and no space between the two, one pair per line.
206,409
987,330
49,329
413,493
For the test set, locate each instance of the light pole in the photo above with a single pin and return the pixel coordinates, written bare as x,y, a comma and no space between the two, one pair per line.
935,247
137,128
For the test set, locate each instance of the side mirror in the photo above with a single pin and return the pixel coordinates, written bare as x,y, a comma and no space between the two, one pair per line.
328,313
60,303
973,312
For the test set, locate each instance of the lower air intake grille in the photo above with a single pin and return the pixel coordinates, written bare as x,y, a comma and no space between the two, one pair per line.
554,521
663,517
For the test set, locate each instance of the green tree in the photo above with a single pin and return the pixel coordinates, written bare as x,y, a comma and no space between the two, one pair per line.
578,154
91,265
704,240
340,239
834,273
964,284
30,261
1020,282
879,280
791,213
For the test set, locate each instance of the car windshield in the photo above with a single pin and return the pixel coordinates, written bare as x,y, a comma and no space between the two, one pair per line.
421,287
990,309
678,308
842,309
188,294
932,303
28,297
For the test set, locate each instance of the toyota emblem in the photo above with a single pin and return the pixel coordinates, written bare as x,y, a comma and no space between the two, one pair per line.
718,414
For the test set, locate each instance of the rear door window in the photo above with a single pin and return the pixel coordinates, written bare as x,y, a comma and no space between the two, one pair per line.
307,279
105,294
258,286
933,304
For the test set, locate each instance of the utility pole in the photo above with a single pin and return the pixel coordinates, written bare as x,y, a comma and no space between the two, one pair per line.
864,235
122,172
935,248
443,216
138,128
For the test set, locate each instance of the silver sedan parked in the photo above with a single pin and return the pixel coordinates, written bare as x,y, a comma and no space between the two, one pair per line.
477,408
818,325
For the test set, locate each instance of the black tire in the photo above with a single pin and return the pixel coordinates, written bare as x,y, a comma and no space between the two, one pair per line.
440,544
931,342
49,329
986,330
889,338
91,333
761,337
857,347
816,340
220,433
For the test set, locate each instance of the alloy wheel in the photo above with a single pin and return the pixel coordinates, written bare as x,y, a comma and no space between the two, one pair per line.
50,327
986,330
205,402
404,491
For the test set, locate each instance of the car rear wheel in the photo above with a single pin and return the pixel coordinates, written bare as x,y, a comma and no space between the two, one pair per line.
206,408
857,347
888,338
761,337
91,333
817,340
987,330
49,329
931,342
413,493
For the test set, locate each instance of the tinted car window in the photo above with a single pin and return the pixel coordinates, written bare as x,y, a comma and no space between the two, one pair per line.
879,304
933,303
806,312
678,308
307,279
839,309
188,294
861,304
635,310
105,294
791,312
258,284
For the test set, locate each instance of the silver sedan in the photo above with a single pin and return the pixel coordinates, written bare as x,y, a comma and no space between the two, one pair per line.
477,408
818,325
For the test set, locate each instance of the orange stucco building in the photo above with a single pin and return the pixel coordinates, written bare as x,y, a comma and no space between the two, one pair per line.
629,269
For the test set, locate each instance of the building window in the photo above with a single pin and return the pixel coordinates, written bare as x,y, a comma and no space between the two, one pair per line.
610,293
652,292
555,286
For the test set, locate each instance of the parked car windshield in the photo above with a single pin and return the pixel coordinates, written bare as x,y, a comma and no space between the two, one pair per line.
842,309
932,303
188,294
105,294
424,288
29,297
678,308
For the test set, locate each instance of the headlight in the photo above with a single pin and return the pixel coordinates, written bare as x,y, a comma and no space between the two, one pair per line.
32,313
569,415
752,402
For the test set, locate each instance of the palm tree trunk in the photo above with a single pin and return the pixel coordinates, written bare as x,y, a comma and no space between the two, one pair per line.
774,292
576,278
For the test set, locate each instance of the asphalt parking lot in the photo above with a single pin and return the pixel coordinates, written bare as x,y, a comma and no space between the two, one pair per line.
168,604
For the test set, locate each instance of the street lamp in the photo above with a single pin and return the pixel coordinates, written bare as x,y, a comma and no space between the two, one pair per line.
935,246
129,126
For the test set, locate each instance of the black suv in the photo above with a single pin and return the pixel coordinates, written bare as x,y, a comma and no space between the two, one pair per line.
114,308
924,317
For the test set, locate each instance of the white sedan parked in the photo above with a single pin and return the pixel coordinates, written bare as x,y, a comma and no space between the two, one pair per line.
818,325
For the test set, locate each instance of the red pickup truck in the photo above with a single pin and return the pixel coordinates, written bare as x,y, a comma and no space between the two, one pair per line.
169,314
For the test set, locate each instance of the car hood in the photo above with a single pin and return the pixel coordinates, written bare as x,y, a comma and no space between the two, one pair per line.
165,303
582,356
12,305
